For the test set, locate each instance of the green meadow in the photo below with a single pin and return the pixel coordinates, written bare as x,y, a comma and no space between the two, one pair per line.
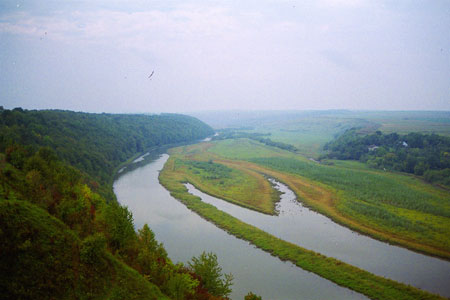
375,287
394,207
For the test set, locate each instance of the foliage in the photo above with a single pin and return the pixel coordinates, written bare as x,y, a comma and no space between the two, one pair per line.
207,267
77,260
411,153
44,259
181,285
251,296
92,249
116,222
93,143
67,241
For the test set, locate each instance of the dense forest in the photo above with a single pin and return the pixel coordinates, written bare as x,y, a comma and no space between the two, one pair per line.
59,238
426,155
92,143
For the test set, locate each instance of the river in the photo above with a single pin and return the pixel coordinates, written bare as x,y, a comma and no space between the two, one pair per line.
184,235
306,228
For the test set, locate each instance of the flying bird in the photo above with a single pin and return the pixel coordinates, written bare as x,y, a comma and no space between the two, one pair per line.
150,76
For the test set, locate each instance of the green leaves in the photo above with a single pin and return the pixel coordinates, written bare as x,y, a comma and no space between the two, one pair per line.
411,153
94,143
180,285
207,267
92,250
118,226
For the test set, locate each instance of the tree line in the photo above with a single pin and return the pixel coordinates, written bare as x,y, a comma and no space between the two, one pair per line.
93,143
256,136
426,155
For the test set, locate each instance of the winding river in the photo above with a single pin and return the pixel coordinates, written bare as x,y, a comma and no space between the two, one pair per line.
304,227
185,234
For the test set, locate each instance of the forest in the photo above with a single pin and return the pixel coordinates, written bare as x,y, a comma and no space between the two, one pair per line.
93,143
426,155
67,240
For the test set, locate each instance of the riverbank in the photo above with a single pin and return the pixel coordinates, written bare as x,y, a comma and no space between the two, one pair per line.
390,207
343,274
185,234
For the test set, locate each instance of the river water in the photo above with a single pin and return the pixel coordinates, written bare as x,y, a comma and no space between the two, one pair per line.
184,235
304,227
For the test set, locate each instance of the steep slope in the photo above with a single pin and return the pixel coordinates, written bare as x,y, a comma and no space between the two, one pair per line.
62,234
44,259
95,143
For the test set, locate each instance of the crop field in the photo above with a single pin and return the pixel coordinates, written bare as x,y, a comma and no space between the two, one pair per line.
176,172
310,131
389,206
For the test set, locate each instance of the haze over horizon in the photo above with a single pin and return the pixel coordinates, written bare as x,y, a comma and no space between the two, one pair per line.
99,56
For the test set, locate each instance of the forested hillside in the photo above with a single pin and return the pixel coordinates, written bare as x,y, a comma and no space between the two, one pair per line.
59,238
426,155
92,143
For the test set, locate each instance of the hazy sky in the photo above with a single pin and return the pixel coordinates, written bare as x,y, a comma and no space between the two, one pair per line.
96,56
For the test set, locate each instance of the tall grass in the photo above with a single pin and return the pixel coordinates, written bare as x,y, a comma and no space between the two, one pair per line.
388,206
366,186
388,203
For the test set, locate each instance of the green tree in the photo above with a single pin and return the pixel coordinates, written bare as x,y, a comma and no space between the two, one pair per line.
117,223
180,285
207,267
251,296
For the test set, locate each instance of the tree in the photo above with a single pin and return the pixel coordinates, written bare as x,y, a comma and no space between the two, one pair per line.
118,225
207,267
251,296
180,285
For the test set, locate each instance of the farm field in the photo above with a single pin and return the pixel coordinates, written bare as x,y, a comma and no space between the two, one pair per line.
309,131
392,207
192,163
172,178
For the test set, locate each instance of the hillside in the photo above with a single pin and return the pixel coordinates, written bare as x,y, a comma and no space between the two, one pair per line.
68,241
93,143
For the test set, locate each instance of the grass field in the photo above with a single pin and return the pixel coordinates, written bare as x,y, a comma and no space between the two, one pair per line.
391,207
309,131
174,175
240,186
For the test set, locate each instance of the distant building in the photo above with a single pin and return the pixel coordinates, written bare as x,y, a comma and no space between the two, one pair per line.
373,147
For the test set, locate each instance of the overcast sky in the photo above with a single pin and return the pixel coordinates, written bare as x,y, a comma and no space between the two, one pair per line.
96,56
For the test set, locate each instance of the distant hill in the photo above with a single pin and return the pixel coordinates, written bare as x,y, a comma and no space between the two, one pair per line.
94,143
